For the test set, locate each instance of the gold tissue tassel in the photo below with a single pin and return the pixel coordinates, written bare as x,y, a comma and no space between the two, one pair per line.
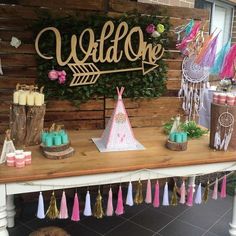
205,195
139,194
98,211
52,212
174,197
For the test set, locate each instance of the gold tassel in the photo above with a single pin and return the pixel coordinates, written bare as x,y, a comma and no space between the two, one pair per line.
174,197
98,211
139,194
205,195
52,212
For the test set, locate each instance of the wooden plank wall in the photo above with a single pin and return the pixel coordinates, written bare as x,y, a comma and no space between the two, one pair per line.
19,65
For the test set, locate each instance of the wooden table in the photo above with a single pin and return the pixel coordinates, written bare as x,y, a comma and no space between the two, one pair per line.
90,167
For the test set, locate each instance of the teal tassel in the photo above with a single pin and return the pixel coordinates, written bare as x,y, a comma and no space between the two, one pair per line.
189,27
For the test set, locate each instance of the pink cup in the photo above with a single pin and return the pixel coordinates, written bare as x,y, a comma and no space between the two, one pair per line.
20,160
27,157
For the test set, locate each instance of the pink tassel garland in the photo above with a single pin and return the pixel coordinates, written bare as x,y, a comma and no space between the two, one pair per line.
148,198
156,200
63,209
110,210
223,188
75,212
120,206
182,193
190,196
215,191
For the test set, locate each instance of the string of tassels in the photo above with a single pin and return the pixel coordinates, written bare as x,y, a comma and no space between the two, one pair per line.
98,212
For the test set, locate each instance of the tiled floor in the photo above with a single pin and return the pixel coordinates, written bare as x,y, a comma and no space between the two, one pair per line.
209,219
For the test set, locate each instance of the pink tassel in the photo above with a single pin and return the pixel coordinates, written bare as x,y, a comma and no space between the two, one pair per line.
228,66
109,204
215,191
190,196
148,198
156,201
182,193
223,188
63,209
120,206
75,212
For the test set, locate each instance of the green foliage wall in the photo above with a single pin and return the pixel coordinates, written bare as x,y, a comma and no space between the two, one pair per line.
136,84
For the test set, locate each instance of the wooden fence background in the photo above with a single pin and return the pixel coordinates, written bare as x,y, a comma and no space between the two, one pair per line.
19,65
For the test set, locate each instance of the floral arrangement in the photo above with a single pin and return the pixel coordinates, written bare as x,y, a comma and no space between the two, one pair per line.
155,31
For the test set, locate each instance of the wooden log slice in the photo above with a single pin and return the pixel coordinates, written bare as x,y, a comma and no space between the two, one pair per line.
59,155
60,148
176,146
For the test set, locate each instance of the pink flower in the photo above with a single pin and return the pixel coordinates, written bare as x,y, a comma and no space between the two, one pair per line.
150,28
62,79
53,74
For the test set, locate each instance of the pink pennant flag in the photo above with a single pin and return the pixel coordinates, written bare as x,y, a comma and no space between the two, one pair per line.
182,193
190,196
75,212
109,204
120,206
223,188
148,198
63,209
156,200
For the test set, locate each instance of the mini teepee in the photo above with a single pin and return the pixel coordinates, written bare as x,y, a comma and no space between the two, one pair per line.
118,135
8,146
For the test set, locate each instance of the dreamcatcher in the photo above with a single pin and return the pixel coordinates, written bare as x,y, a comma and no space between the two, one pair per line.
194,81
224,131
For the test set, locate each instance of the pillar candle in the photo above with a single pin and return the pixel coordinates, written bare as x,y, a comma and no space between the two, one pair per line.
43,137
184,137
10,159
30,98
49,140
172,136
27,157
37,99
64,138
20,160
22,98
16,96
57,140
178,138
42,98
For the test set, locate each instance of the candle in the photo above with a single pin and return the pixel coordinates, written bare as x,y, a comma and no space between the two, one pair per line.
184,137
20,160
42,98
64,138
172,136
27,157
22,98
38,99
18,151
49,140
222,98
43,137
10,159
230,99
30,99
178,138
16,96
57,140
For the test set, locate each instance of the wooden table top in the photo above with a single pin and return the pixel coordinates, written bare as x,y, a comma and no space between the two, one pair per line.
88,160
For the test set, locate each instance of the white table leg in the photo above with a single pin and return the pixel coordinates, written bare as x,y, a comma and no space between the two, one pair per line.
232,225
10,211
3,212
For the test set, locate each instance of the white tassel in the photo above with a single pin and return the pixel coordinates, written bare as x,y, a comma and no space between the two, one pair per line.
40,211
198,197
129,198
165,201
87,208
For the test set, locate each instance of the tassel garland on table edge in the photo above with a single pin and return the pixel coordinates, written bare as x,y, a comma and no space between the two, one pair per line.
139,193
148,198
198,196
1,72
87,208
190,196
156,200
75,212
98,210
165,200
52,212
174,197
63,208
110,209
182,193
223,188
129,198
119,206
215,190
206,192
40,210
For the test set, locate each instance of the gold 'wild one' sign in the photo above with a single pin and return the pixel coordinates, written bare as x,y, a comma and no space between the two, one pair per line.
87,73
